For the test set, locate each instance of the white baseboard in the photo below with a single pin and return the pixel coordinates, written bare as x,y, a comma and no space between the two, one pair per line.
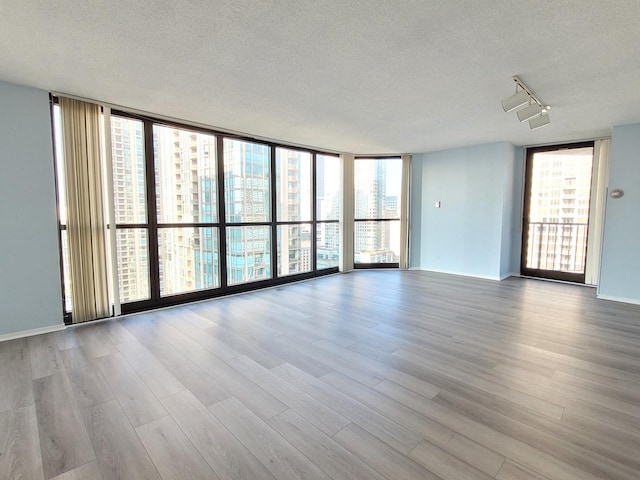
32,332
633,301
510,274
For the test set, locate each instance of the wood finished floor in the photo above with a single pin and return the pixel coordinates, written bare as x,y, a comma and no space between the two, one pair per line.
370,375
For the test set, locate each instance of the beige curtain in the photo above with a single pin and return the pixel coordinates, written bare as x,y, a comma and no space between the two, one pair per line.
404,212
85,212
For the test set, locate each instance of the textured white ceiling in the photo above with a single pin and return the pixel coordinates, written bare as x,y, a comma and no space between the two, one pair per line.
368,76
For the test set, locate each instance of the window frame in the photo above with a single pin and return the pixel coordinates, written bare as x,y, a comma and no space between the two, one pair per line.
356,220
152,225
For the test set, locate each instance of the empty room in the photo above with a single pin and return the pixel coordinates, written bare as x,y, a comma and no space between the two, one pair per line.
274,240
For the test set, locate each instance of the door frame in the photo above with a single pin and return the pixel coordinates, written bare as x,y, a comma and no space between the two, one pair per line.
541,273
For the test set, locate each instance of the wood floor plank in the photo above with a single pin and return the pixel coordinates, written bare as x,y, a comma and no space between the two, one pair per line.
408,418
96,339
169,326
576,454
433,377
20,456
152,372
323,417
476,455
326,453
120,454
196,380
64,442
499,442
478,380
88,471
171,451
512,471
443,464
359,373
45,360
229,458
395,435
237,342
284,350
67,338
89,385
257,399
141,327
117,332
280,457
140,405
389,373
208,342
381,457
15,375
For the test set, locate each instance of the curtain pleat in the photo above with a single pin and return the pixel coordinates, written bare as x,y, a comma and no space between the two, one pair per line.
85,211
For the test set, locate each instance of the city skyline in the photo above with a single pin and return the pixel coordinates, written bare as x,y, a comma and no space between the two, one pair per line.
185,200
186,211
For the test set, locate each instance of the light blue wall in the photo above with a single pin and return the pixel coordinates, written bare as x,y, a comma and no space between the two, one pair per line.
620,267
471,234
517,200
30,295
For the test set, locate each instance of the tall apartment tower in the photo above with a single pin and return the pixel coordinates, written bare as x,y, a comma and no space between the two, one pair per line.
559,211
294,241
185,178
371,238
247,200
127,147
327,208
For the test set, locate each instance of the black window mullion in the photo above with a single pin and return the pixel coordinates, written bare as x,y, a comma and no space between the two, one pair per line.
274,213
152,211
222,219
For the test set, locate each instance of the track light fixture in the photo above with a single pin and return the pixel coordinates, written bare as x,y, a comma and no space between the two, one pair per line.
515,101
540,121
534,110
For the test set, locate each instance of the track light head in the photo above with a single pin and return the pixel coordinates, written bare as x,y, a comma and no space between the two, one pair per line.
517,100
535,111
531,111
539,122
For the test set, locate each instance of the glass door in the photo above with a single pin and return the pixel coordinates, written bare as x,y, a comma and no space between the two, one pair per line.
556,211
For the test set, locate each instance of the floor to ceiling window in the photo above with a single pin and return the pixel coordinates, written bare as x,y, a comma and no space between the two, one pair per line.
293,211
62,211
377,191
328,211
130,202
199,214
247,203
186,208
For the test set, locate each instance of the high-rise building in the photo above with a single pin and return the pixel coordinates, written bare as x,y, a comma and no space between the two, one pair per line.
559,210
247,200
293,194
372,239
328,202
185,190
127,147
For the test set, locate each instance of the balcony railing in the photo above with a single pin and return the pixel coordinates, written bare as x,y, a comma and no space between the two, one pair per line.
557,246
